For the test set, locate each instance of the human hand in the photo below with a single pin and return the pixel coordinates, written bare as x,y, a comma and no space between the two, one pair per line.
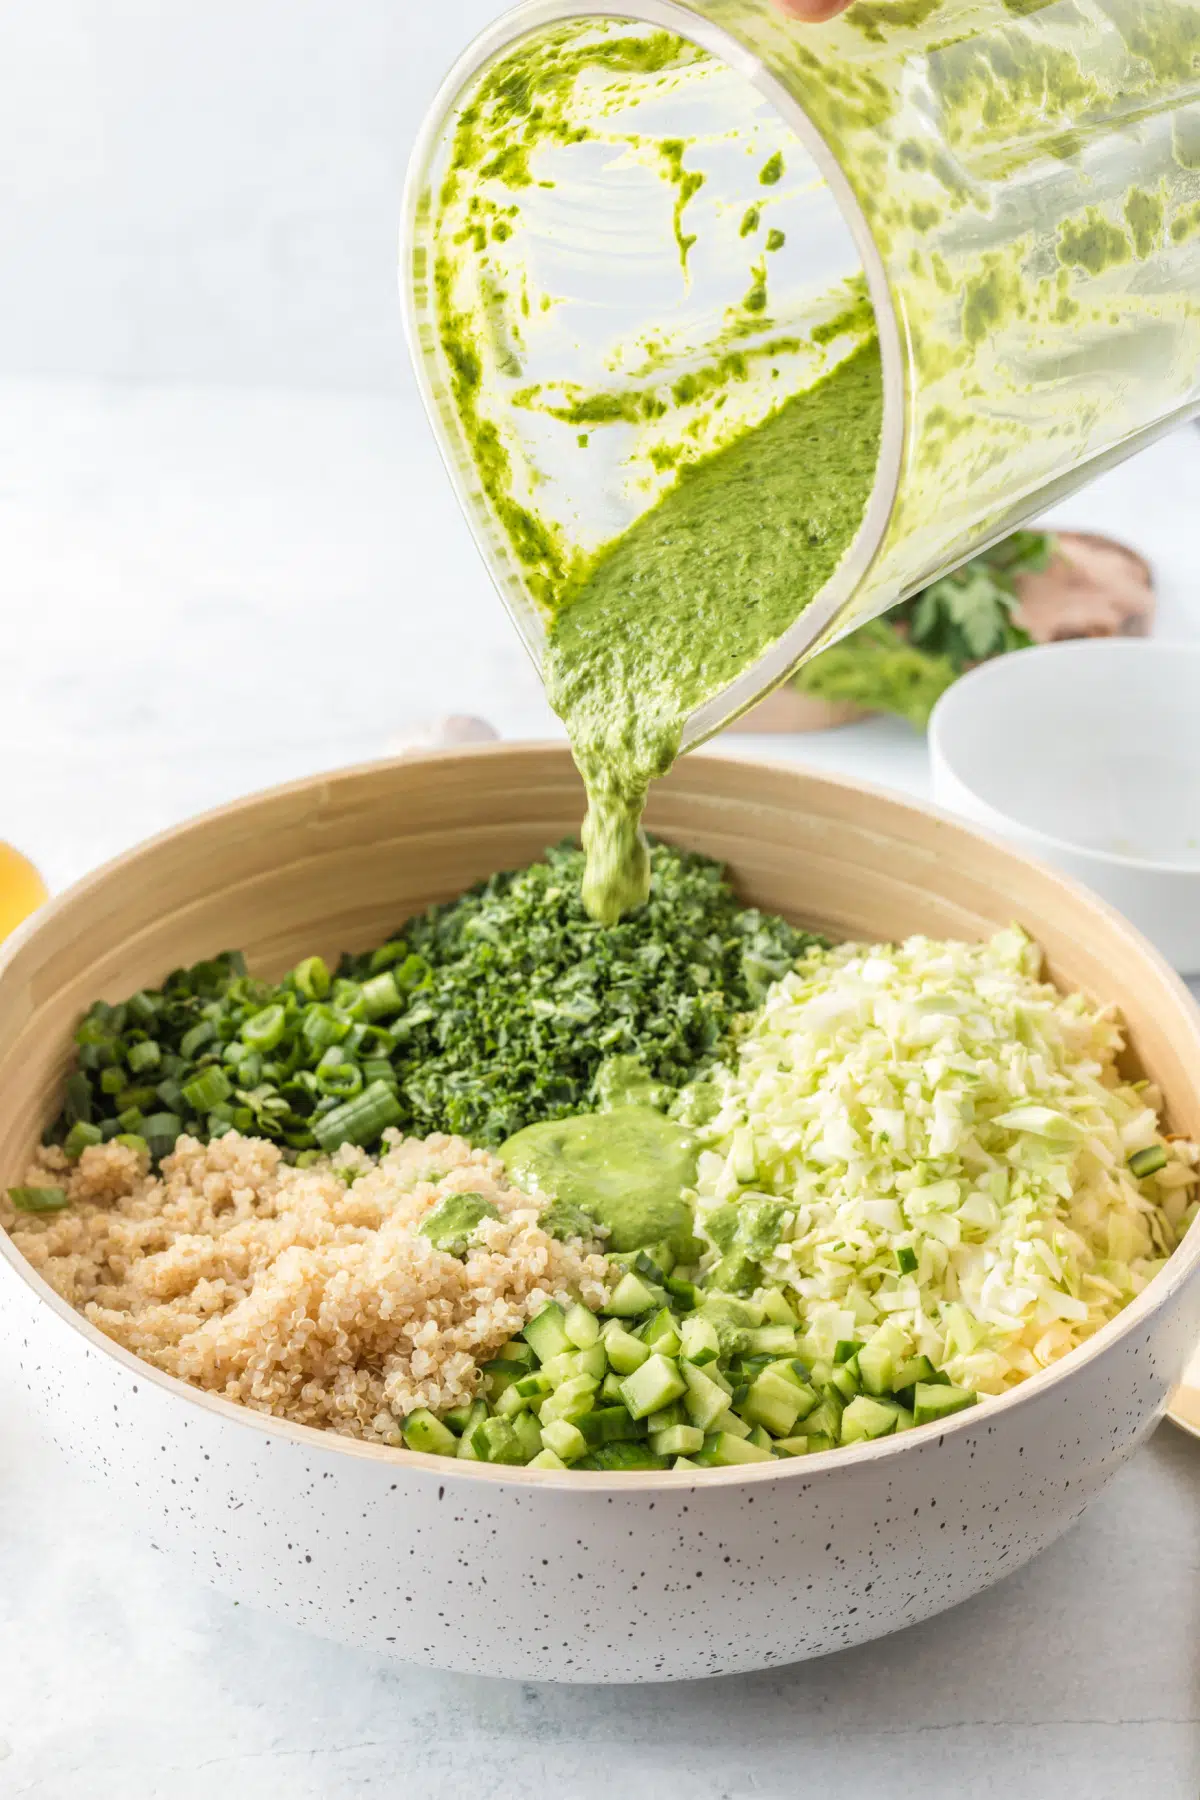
812,12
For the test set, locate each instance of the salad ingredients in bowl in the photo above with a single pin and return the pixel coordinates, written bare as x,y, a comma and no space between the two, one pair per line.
720,1193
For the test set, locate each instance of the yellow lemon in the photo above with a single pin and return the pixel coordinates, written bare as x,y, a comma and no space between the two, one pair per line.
22,889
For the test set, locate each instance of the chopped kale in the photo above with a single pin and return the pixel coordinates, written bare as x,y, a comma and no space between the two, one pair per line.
526,998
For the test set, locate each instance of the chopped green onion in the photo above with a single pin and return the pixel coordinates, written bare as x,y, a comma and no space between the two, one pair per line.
144,1056
132,1097
380,996
377,1068
208,1090
361,1120
77,1101
144,1007
322,1026
345,1079
80,1137
160,1131
38,1199
312,978
265,1030
197,1037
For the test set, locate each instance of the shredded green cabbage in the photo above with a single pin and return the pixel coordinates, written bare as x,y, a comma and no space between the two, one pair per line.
939,1098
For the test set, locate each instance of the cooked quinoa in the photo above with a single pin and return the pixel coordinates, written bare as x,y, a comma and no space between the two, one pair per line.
305,1293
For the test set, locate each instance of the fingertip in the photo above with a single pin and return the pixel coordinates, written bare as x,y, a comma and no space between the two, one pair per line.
812,12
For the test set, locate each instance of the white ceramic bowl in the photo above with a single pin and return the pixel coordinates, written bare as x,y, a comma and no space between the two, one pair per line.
1087,754
522,1572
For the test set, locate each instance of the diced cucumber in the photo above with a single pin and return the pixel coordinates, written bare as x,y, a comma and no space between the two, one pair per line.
631,1297
775,1306
610,1425
495,1441
529,1434
704,1401
935,1400
911,1370
794,1446
775,1402
760,1437
546,1459
547,1333
771,1340
865,1418
567,1441
655,1262
623,1456
532,1387
570,1400
423,1432
730,1423
683,1462
654,1385
511,1401
698,1340
557,1369
845,1349
1148,1161
678,1440
593,1361
625,1352
660,1335
581,1326
793,1371
825,1420
475,1418
516,1351
723,1450
666,1416
879,1357
456,1418
500,1375
818,1441
684,1293
844,1380
906,1259
610,1388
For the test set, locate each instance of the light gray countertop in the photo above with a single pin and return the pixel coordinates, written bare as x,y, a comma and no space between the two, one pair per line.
206,592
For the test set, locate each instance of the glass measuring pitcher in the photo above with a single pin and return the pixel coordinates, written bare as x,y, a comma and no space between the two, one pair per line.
633,232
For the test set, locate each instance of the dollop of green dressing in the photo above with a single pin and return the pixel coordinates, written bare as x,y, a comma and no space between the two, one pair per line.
627,1169
693,594
452,1223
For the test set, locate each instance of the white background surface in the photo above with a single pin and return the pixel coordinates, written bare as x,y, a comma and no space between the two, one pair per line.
227,557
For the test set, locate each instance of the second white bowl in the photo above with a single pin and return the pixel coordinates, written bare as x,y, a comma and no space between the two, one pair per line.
1087,754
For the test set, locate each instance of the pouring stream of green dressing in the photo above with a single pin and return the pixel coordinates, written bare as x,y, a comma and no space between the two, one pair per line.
693,594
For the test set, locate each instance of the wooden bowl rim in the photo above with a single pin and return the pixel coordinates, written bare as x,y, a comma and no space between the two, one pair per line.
1178,1269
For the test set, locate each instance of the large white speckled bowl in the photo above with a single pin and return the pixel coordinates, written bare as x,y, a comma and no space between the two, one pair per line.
584,1577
